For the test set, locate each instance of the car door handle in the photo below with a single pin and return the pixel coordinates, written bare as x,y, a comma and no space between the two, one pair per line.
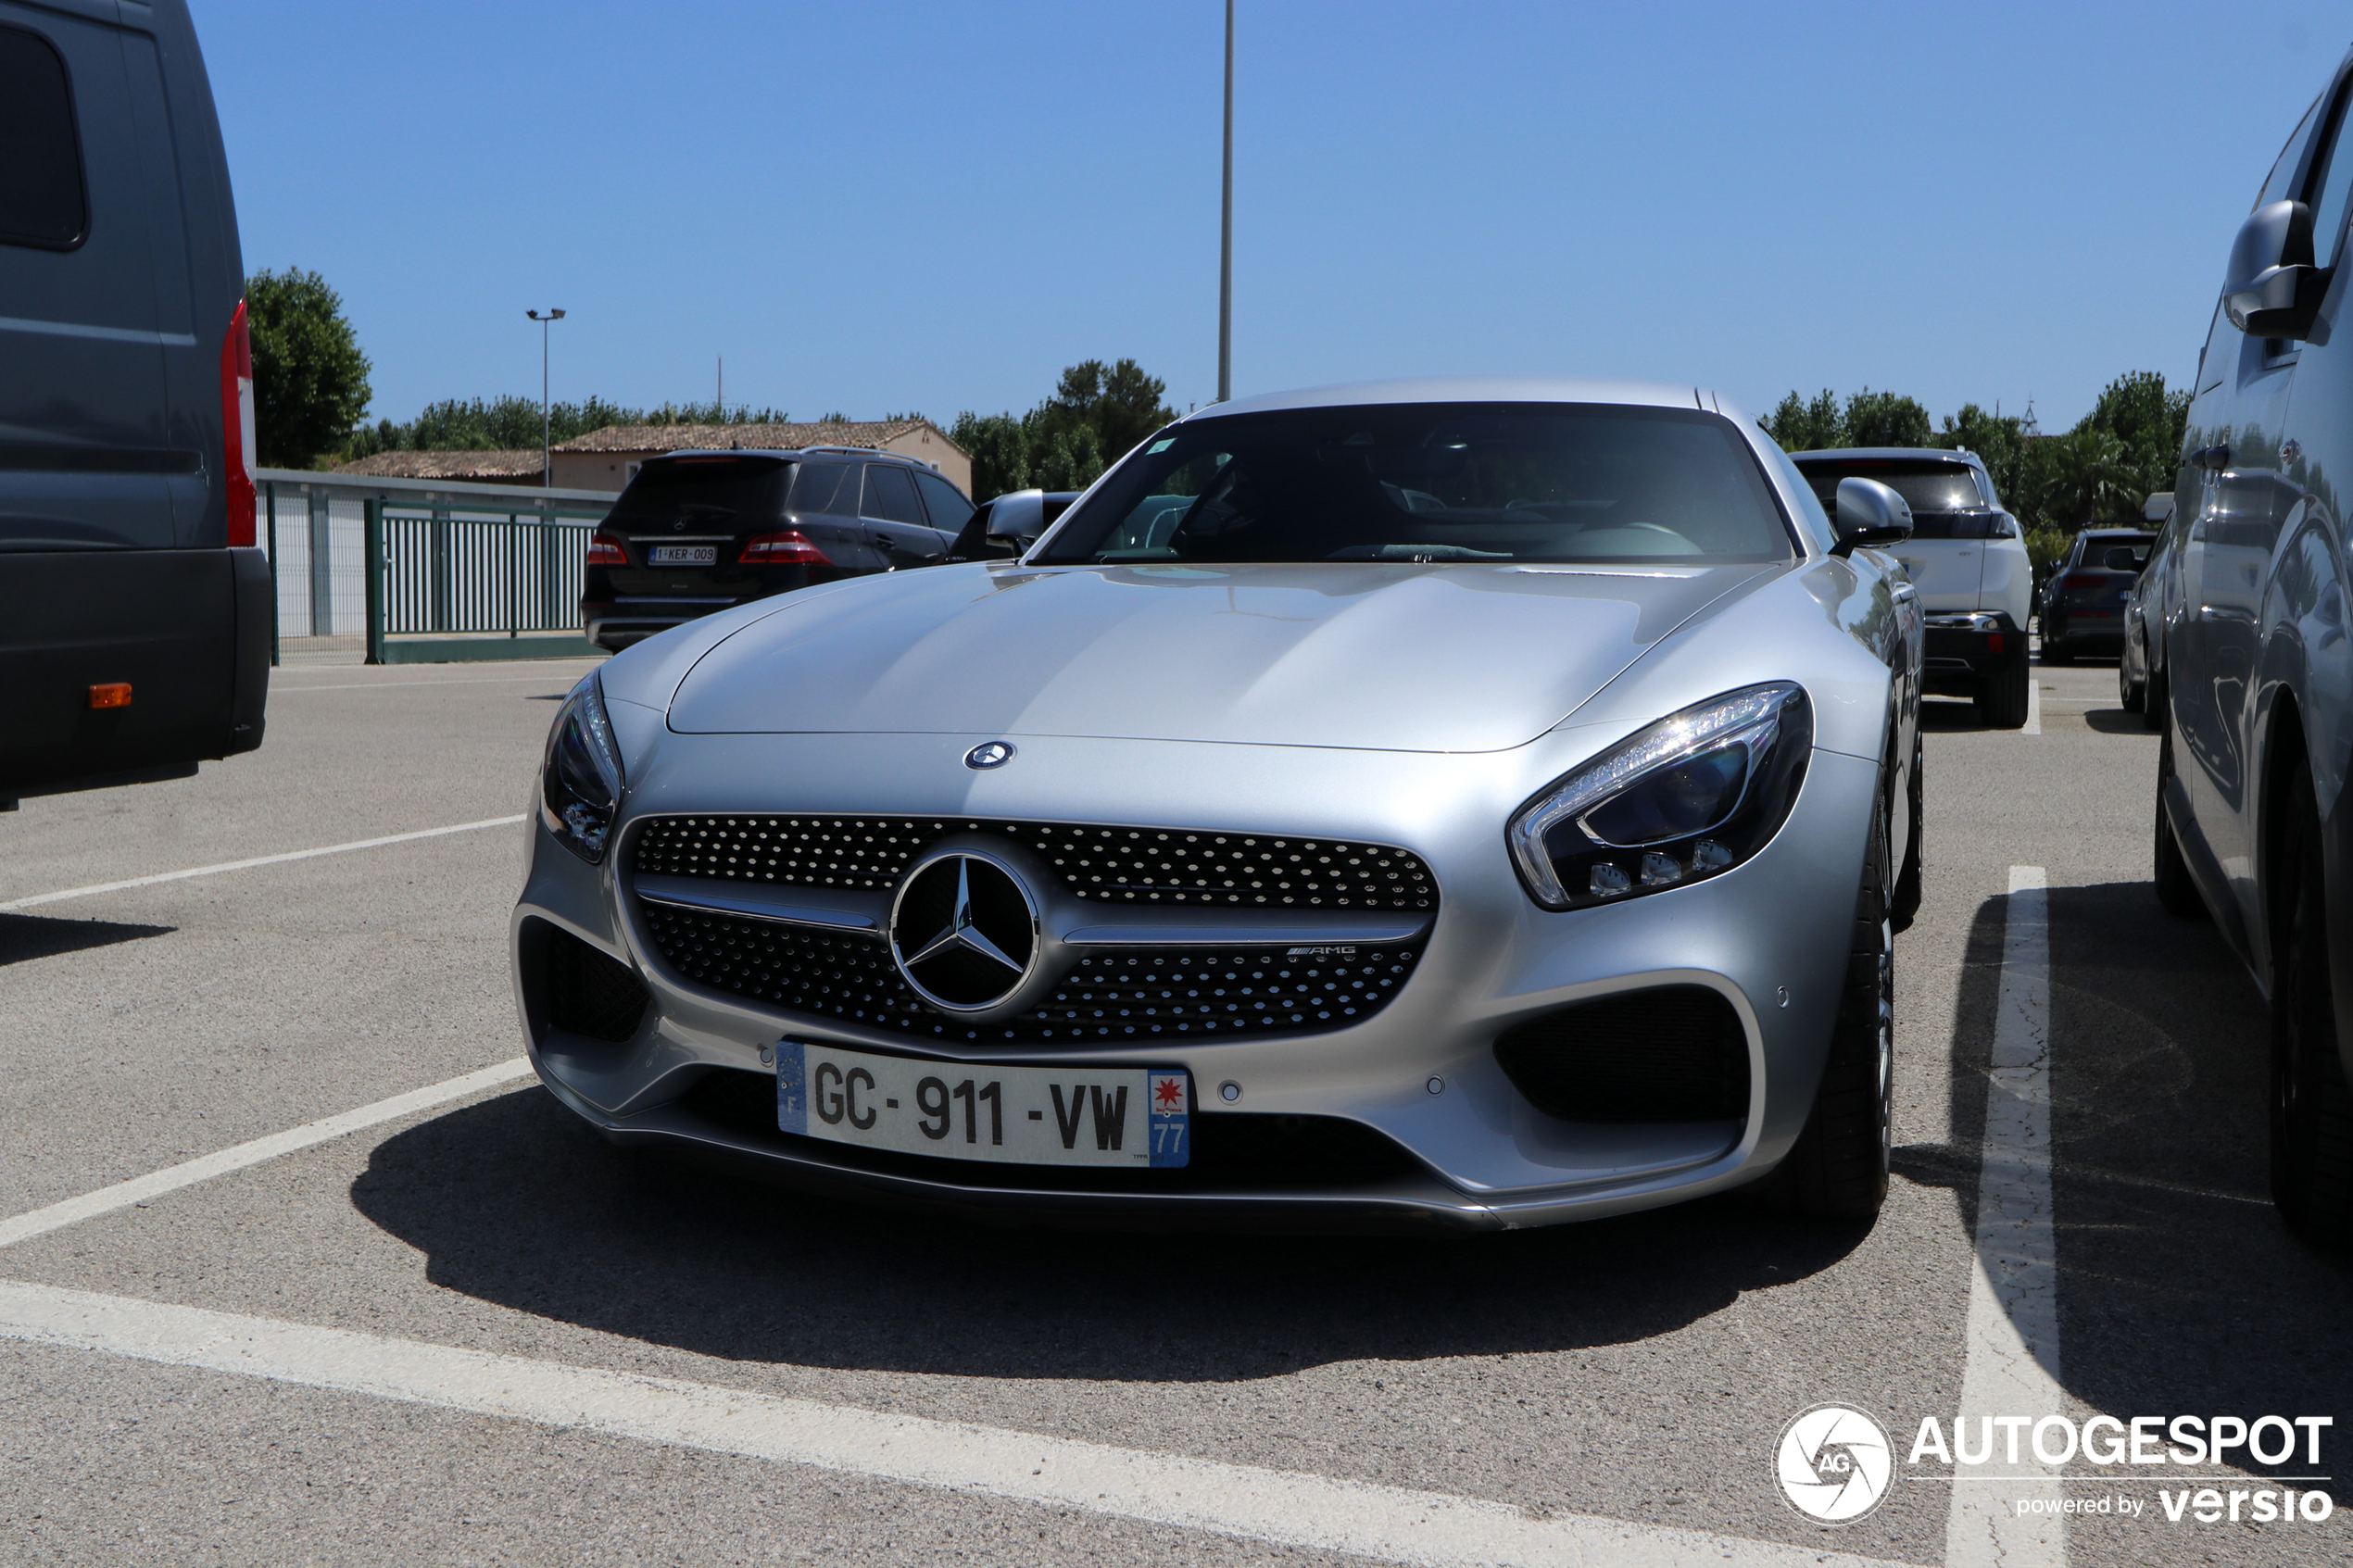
2213,459
1904,592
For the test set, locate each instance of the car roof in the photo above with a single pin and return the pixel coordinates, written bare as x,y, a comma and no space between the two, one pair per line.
1886,454
795,454
1473,389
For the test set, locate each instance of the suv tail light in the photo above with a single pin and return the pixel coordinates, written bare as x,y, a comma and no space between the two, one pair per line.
605,550
792,548
237,459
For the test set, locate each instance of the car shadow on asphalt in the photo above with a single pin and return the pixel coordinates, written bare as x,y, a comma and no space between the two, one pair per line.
514,1202
2116,722
1938,717
2179,1291
24,937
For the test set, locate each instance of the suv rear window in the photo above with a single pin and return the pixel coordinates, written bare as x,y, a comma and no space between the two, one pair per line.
1945,498
41,188
719,494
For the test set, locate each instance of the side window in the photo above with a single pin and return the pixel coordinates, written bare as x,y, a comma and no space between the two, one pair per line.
890,495
41,200
2276,182
819,488
950,510
2325,192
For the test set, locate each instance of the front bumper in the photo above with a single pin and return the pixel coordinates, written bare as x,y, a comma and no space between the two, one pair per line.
1771,937
1962,651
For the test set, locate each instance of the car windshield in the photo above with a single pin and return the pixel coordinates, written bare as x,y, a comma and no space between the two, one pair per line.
2096,548
705,491
1436,481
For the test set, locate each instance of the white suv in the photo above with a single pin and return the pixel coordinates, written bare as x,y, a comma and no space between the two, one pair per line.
1967,558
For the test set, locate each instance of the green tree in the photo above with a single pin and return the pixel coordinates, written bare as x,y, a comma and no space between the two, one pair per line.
1067,459
1119,402
2148,421
1000,451
1808,427
2085,474
1885,418
310,378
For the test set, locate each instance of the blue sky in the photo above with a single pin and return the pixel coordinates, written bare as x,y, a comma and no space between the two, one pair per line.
934,206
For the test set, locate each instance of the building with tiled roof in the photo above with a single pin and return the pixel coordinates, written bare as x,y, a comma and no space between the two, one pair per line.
604,460
470,467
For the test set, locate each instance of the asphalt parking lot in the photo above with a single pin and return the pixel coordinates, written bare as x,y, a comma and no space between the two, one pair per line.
1621,1385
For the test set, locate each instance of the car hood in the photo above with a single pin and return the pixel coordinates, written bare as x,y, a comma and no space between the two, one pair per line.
1386,657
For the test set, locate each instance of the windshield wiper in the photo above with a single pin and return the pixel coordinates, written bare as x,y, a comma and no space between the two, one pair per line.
1417,553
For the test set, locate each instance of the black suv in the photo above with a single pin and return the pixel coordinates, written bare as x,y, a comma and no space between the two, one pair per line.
696,533
2082,600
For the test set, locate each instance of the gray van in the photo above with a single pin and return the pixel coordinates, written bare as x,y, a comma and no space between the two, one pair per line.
134,608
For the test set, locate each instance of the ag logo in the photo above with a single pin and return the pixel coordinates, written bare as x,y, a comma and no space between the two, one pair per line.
1834,1463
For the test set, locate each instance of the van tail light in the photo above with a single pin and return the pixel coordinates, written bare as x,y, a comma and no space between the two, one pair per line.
237,459
792,548
2084,580
605,550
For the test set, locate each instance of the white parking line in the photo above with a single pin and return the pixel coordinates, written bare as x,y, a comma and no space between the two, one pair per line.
39,899
2013,1343
2034,725
1284,1507
138,1189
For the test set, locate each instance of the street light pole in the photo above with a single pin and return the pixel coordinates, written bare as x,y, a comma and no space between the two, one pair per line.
1226,235
546,475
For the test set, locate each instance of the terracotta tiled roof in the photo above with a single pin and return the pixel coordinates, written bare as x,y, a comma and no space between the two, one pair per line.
447,465
871,434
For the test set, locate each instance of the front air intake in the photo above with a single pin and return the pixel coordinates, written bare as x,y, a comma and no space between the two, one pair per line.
1677,1053
582,991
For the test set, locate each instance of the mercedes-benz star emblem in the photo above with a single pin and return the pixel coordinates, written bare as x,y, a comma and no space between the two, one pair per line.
963,932
990,754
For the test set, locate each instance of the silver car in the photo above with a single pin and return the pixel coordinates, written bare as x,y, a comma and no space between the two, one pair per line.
1460,803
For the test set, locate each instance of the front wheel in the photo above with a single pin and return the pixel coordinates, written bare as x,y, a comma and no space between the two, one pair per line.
1837,1170
2001,698
2130,695
2311,1108
1906,901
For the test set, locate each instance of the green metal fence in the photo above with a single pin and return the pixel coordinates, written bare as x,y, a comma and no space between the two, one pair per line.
407,572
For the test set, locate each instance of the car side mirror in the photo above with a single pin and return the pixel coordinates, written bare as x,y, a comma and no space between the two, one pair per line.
1869,513
2274,290
2123,559
1017,518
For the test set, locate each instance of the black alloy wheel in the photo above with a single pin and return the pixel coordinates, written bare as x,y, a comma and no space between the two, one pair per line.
2311,1108
2176,889
1907,902
1837,1170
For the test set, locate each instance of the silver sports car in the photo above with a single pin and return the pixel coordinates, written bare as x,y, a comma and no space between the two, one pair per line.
1468,803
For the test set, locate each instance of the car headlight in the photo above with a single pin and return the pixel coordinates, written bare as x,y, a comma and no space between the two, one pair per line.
579,781
1692,796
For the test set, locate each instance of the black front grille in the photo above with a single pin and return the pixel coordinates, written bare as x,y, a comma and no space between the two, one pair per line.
1676,1053
1164,992
1130,865
1229,1150
582,990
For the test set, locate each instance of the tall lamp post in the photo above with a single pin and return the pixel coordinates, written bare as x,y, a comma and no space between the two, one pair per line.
547,475
1226,235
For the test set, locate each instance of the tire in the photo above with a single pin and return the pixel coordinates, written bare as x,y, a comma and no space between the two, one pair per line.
2311,1108
1906,900
2153,701
2001,698
2176,890
1837,1170
2133,696
2056,651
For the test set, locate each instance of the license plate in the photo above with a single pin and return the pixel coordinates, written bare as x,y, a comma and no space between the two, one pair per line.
683,555
1130,1118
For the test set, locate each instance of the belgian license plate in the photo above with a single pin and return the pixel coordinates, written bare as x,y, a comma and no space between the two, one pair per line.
1130,1118
683,555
